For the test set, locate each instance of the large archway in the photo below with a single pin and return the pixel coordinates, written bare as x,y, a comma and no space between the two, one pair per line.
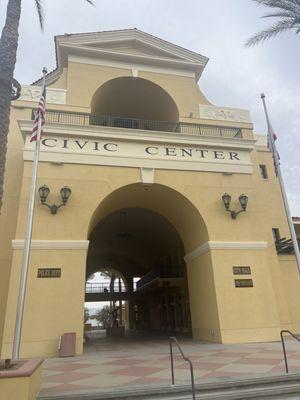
163,200
147,232
148,252
136,102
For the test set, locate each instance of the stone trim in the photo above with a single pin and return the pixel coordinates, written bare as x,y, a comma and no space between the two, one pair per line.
18,244
25,369
224,246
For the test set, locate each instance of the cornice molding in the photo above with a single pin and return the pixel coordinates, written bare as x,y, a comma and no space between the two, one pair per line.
211,245
18,244
131,35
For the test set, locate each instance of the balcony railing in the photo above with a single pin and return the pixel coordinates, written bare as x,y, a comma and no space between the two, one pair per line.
104,287
285,246
71,118
157,274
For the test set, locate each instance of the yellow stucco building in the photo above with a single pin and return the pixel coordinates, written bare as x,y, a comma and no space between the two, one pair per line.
148,159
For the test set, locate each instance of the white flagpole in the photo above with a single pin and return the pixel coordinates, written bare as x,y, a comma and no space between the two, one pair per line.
27,242
283,192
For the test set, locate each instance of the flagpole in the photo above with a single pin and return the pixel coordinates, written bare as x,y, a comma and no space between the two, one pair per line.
281,183
27,242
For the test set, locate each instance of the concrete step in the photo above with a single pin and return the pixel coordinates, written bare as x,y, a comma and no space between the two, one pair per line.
259,387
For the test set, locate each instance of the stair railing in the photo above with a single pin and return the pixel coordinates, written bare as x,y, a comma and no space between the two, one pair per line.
283,347
173,339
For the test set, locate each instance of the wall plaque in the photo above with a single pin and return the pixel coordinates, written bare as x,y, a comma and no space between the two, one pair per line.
243,283
241,270
49,273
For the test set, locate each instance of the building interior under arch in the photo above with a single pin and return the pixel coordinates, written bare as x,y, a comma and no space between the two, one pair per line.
145,249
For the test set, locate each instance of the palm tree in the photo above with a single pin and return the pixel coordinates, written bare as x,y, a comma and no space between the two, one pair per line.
9,87
287,14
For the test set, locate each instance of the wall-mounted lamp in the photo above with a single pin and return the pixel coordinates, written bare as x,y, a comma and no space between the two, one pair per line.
65,193
243,199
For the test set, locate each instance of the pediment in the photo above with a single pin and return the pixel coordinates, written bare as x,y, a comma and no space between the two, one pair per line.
128,45
133,47
130,42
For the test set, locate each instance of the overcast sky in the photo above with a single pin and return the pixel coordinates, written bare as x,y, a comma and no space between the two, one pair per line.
234,77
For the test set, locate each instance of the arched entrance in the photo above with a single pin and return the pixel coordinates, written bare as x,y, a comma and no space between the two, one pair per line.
146,233
146,249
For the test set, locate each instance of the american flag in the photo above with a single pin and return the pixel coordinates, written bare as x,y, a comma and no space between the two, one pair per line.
40,113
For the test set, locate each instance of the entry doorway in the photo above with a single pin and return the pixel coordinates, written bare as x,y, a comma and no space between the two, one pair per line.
146,251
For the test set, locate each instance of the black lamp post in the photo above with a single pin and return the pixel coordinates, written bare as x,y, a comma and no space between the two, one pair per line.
243,199
65,193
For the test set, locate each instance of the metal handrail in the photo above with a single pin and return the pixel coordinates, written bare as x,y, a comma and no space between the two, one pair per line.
283,347
84,119
104,287
173,339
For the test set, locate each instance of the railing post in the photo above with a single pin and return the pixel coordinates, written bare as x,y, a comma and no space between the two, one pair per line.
173,338
172,362
284,352
192,380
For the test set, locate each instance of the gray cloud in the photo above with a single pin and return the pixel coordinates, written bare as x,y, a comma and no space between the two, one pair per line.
235,76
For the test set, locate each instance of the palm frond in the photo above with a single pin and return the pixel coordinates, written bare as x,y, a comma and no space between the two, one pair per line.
288,14
274,30
40,11
280,14
287,5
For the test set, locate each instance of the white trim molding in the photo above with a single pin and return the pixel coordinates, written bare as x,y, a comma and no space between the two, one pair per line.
18,244
204,248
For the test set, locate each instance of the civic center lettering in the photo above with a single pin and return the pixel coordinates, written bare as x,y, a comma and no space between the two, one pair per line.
167,152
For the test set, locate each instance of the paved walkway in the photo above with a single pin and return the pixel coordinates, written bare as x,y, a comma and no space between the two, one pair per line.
145,361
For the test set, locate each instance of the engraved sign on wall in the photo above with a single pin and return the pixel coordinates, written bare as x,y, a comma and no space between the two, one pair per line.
241,270
49,273
241,283
177,154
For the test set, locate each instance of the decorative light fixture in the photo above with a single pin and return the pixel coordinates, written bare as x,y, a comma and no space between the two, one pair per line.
243,199
65,193
123,225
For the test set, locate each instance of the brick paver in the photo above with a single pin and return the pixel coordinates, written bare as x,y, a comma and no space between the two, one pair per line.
142,361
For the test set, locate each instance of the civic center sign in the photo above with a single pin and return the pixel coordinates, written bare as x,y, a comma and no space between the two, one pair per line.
196,154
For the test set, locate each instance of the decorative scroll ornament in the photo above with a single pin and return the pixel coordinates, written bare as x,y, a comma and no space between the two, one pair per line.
32,93
224,114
